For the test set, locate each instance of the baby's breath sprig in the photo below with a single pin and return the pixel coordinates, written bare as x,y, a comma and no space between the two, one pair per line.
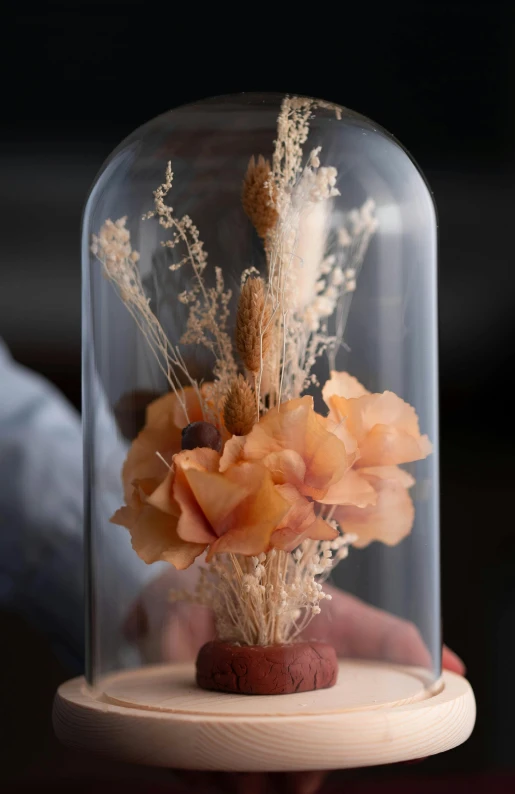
269,599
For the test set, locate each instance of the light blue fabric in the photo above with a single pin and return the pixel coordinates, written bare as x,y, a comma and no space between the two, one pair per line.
41,535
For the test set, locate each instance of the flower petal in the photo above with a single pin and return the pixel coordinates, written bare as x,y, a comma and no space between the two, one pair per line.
295,426
162,496
388,521
168,410
193,524
301,513
386,445
161,434
390,473
201,458
143,463
352,489
300,522
217,496
233,452
342,384
340,430
385,426
251,524
286,466
154,536
288,539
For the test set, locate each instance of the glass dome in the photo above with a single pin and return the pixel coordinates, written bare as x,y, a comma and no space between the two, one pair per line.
260,394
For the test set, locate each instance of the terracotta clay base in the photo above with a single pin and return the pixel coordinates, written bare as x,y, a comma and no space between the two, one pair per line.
269,670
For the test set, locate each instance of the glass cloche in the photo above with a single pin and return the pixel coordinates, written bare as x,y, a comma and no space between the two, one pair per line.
261,430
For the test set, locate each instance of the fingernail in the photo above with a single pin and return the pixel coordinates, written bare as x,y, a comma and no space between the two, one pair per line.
451,661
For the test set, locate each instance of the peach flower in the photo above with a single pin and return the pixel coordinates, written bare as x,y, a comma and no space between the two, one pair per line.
384,426
235,511
165,419
307,460
372,499
300,522
294,443
390,517
154,533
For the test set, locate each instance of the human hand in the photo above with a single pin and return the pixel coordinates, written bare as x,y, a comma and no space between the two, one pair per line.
166,631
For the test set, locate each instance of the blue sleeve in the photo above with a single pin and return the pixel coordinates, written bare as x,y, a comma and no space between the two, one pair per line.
41,540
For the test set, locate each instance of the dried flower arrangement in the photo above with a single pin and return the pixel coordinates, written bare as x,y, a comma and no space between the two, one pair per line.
243,468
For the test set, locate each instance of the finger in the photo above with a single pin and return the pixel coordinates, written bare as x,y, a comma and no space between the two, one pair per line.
187,628
356,629
451,661
307,782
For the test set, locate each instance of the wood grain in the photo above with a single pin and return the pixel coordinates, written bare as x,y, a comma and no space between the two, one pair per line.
172,688
377,714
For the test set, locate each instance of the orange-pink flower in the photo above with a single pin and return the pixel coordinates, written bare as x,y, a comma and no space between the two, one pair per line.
153,532
306,460
295,444
385,427
390,517
161,436
309,458
235,511
372,499
300,522
196,507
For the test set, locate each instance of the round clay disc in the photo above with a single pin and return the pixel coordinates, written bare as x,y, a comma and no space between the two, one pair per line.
266,670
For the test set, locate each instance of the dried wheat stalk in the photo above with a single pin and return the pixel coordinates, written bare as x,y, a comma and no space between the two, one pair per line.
240,408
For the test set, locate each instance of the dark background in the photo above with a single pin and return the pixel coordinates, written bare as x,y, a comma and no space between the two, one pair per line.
77,77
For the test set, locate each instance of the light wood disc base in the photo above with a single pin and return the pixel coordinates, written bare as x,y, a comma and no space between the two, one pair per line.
376,714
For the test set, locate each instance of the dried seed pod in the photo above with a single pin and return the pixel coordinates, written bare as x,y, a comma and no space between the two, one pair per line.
257,196
253,326
201,434
240,408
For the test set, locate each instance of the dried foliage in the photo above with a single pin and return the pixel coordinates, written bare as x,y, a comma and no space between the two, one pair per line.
310,285
208,307
257,196
240,408
253,324
113,248
292,134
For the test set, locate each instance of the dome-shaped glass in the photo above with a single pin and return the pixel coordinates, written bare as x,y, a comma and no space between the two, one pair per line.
260,399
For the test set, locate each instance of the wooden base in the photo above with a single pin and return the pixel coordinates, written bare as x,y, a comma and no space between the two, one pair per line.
376,714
